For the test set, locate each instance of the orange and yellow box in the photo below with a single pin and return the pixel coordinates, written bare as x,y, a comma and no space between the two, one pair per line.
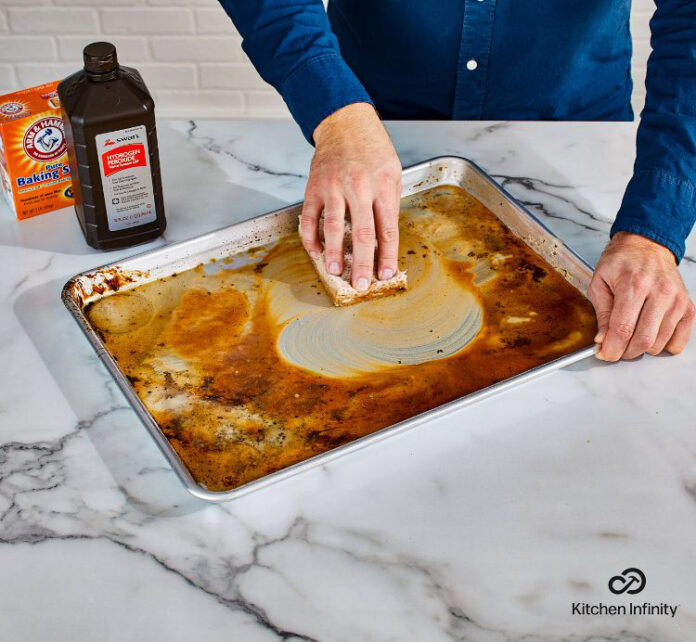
34,166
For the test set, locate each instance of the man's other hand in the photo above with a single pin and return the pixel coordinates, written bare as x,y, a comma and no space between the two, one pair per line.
640,300
355,171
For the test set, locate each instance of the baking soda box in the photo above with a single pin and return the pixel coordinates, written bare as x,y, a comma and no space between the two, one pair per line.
33,152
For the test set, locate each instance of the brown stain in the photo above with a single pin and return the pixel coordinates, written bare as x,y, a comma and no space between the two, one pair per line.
103,281
286,414
203,324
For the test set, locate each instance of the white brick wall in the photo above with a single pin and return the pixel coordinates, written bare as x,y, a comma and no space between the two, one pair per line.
640,17
187,50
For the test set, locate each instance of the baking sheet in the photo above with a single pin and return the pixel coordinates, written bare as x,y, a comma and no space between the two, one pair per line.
87,288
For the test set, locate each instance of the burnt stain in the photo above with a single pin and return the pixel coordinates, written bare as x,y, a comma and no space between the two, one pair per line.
537,272
100,282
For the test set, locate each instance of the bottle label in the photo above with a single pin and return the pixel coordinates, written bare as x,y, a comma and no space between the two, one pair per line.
126,175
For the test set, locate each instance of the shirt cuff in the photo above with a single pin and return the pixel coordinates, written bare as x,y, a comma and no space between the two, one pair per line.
319,87
660,207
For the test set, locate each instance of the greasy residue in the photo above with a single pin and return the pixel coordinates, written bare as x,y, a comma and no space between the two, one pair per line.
250,369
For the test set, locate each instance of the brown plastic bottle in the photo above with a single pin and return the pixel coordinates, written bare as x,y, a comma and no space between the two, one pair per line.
109,119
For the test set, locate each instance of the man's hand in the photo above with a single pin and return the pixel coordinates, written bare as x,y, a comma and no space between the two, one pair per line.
640,300
355,170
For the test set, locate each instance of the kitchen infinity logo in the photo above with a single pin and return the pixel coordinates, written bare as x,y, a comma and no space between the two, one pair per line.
630,581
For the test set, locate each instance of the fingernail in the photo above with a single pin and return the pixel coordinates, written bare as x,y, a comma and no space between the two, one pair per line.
599,337
386,273
361,284
314,254
334,268
600,356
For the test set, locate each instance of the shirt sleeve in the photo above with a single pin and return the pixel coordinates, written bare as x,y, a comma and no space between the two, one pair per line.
660,200
291,44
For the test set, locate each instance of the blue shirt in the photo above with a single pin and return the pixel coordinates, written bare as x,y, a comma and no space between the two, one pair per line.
495,60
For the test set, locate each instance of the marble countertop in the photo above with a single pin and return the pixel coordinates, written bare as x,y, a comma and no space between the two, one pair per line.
488,524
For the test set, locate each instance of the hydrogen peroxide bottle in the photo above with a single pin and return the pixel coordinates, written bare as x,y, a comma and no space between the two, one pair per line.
109,118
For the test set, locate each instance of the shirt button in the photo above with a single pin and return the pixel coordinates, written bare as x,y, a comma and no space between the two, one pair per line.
471,65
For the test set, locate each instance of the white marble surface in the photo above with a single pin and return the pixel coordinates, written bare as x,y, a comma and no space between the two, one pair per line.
485,525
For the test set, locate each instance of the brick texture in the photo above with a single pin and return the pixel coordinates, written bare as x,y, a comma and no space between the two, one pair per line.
23,48
214,20
53,20
196,49
187,50
147,21
131,49
234,76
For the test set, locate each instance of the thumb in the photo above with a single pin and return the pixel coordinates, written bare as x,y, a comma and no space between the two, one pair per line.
602,299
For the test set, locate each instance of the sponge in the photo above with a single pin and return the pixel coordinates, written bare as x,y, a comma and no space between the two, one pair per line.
341,291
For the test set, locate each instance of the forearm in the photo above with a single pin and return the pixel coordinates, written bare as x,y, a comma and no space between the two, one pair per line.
293,48
660,200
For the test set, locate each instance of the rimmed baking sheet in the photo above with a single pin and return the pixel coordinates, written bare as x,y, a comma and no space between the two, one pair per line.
88,287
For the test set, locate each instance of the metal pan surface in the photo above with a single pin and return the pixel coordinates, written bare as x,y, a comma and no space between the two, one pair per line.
89,287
